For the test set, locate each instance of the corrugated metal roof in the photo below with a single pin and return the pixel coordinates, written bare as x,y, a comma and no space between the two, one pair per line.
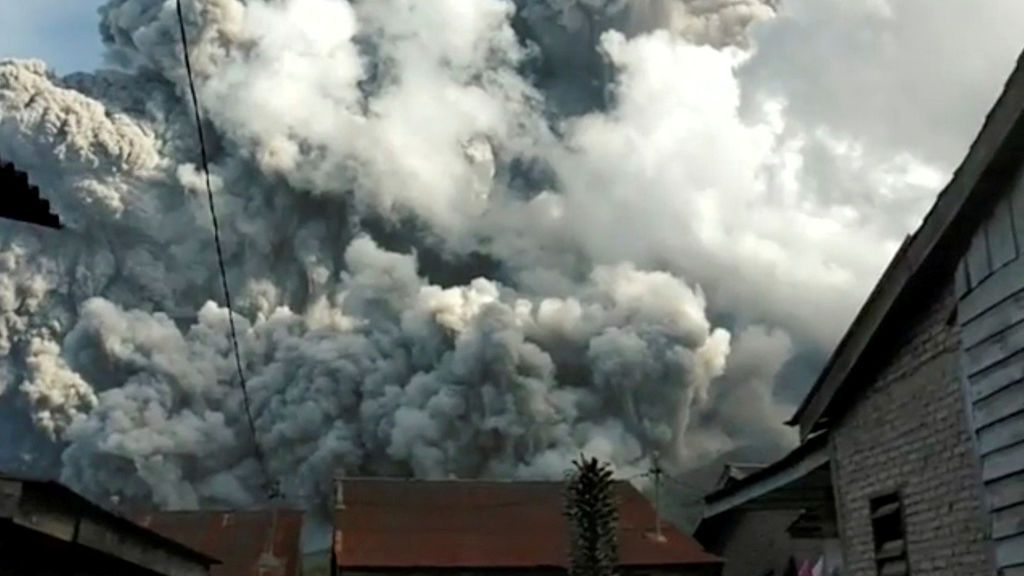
248,543
20,200
383,523
813,444
57,494
734,472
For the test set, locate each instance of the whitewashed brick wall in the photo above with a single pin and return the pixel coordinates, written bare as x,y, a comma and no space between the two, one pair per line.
908,432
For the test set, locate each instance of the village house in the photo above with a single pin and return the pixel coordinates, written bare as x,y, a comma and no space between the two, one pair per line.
247,543
787,523
916,423
420,527
46,528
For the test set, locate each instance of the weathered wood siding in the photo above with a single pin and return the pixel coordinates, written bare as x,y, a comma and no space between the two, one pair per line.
990,288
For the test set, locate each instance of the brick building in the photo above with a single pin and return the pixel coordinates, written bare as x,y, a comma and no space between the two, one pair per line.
420,527
917,421
908,436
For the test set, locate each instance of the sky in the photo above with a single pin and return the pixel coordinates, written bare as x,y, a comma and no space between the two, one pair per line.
61,32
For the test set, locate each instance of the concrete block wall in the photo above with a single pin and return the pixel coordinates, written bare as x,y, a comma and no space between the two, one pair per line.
908,431
756,542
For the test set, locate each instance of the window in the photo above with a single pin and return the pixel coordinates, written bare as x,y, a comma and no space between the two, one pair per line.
889,536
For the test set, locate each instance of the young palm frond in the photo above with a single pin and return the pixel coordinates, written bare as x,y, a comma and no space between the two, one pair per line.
592,513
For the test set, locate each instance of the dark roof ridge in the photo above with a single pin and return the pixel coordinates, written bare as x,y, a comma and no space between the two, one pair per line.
21,201
117,518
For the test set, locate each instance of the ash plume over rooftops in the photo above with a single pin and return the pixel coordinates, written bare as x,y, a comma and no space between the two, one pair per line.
454,251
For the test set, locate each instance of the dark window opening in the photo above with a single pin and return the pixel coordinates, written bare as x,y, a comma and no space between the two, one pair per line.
889,536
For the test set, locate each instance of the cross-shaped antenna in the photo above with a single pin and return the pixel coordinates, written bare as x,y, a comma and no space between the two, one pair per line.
656,473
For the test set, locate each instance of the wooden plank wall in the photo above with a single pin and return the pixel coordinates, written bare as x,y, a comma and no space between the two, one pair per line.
990,286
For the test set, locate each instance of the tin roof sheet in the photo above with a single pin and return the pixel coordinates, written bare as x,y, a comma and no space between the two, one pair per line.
248,543
486,524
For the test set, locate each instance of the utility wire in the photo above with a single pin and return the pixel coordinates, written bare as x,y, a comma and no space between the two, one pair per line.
272,489
664,476
688,485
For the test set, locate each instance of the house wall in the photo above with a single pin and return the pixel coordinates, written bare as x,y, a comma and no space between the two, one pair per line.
990,287
907,431
756,543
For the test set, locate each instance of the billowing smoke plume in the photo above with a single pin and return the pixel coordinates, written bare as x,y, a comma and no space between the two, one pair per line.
464,238
392,375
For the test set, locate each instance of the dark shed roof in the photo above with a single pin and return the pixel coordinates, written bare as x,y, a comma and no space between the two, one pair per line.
805,459
800,482
248,543
485,525
734,472
89,524
929,257
20,200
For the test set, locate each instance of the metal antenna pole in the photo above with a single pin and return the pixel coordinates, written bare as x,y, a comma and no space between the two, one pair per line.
656,472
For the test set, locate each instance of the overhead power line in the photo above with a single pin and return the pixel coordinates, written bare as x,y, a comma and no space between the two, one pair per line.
272,488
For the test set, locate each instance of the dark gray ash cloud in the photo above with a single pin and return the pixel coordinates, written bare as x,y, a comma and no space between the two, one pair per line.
465,239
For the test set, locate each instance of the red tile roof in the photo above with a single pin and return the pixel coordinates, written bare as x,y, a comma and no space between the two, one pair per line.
485,524
248,543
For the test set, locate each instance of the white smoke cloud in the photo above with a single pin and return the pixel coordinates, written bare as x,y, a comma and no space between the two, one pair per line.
392,375
671,174
464,238
57,393
734,418
717,23
906,77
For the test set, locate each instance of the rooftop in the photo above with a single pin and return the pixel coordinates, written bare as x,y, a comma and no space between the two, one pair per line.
795,481
486,524
20,200
53,509
735,471
248,543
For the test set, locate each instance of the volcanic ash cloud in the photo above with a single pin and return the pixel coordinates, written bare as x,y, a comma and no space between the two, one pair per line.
463,238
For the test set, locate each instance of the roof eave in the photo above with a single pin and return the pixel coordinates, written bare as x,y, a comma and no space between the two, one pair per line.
81,505
800,461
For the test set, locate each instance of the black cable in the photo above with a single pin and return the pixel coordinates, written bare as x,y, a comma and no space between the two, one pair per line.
220,255
688,485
